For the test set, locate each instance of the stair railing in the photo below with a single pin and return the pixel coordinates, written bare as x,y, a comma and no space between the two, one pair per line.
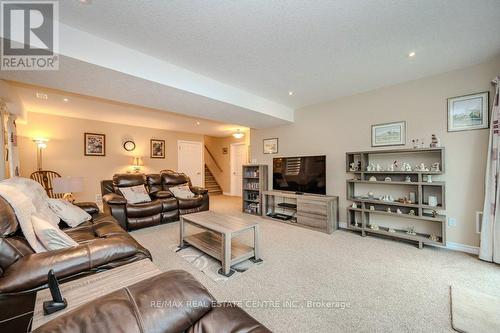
213,158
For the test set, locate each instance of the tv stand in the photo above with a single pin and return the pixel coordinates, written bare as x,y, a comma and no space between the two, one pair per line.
312,211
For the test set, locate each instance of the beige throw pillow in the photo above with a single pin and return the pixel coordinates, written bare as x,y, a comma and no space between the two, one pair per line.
135,194
182,191
50,236
69,213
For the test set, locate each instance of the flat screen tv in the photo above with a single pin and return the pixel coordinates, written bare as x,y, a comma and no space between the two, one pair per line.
306,174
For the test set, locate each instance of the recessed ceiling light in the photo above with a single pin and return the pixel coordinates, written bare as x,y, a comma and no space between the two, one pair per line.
290,93
85,2
411,54
65,100
198,123
42,95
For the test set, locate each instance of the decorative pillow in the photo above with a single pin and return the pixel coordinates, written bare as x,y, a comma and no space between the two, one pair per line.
69,213
182,191
135,194
50,236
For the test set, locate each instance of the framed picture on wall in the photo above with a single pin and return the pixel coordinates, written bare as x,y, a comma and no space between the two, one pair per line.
469,112
270,146
157,148
94,144
389,134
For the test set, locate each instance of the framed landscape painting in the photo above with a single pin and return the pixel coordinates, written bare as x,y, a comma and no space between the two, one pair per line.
157,148
270,146
469,112
389,134
94,144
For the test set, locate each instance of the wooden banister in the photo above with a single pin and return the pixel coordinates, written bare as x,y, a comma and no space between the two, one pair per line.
213,159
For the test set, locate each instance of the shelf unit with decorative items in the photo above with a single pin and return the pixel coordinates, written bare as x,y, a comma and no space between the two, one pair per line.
254,183
398,193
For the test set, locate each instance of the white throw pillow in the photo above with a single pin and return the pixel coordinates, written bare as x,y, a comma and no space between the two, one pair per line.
50,236
182,191
135,194
37,194
69,213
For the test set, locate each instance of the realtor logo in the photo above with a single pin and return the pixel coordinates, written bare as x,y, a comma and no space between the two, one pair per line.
30,35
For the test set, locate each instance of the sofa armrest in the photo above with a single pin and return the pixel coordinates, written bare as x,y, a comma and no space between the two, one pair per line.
30,272
90,207
198,190
114,199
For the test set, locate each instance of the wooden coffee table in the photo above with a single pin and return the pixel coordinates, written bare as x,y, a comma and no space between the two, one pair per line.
217,239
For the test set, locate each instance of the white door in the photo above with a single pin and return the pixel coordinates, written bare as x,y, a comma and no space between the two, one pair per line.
190,160
238,159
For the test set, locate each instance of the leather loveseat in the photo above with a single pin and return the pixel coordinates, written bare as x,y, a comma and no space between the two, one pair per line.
164,207
169,302
103,244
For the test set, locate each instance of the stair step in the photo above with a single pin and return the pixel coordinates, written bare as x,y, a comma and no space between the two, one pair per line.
211,183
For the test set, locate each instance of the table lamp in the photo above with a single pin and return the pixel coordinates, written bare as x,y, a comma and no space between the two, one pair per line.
68,186
136,164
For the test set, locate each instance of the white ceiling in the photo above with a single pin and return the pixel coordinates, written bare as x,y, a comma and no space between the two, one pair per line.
236,61
319,49
85,107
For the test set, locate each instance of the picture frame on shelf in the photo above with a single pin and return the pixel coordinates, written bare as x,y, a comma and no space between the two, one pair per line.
468,112
389,134
270,146
157,148
94,144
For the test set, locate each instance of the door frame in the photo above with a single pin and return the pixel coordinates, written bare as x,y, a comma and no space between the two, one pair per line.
202,158
231,160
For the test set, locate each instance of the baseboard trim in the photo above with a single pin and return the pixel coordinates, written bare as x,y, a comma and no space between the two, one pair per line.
449,245
227,193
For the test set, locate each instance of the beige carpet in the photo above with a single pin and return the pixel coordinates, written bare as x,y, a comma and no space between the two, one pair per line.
372,284
473,311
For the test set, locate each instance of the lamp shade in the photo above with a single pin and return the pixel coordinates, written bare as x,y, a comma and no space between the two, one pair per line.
67,184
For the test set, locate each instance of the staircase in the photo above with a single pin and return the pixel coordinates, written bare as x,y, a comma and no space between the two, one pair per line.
210,183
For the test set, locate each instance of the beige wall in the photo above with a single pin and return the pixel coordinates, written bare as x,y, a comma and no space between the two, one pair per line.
343,125
64,153
215,145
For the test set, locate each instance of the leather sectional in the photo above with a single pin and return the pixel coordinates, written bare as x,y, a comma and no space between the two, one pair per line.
103,244
164,207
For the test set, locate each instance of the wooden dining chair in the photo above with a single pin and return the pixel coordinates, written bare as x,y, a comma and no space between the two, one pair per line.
45,177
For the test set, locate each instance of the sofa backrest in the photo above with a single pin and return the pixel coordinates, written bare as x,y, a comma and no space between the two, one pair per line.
127,180
154,182
171,178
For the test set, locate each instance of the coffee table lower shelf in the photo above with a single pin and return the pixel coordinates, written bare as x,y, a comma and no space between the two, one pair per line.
211,243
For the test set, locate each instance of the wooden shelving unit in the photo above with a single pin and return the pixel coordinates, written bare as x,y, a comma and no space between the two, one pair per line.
371,212
254,183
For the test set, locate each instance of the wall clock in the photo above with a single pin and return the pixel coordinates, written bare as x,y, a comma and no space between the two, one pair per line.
129,145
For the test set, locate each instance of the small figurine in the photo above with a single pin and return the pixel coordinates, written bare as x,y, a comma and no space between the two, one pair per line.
408,179
435,167
435,142
388,179
405,167
354,205
372,207
391,230
370,195
371,167
353,166
374,227
434,213
411,231
429,179
389,210
433,238
421,167
372,179
398,211
378,168
417,143
412,212
412,198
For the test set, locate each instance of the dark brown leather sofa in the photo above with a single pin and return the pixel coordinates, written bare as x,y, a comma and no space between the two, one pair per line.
163,208
169,302
103,245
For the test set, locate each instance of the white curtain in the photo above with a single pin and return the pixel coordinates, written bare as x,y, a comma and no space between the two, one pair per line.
490,230
9,150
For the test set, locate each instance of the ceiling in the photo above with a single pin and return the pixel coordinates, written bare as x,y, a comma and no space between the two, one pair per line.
236,61
66,104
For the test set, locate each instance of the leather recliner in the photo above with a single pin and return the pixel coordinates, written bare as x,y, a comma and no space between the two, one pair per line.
162,208
102,245
172,301
200,201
